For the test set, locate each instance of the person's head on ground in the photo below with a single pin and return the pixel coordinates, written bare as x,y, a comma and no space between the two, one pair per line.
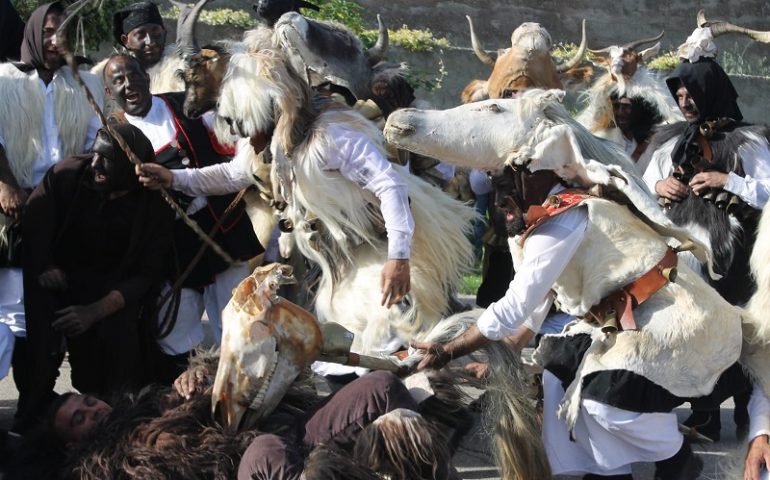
73,416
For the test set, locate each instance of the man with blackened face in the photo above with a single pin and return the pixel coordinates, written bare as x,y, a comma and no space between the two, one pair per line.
100,243
181,143
139,28
128,85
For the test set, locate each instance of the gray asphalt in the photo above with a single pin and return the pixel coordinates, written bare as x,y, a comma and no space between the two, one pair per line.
473,459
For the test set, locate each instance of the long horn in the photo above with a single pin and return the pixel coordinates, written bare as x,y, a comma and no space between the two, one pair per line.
634,45
602,50
484,56
578,55
719,28
186,43
377,52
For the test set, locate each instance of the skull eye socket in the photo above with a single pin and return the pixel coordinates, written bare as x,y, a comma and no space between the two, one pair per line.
509,93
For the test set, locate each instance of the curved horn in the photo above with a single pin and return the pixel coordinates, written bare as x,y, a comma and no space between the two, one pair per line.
575,60
602,50
186,43
718,28
483,55
377,52
638,43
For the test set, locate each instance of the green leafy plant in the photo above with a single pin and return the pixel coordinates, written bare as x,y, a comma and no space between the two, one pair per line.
567,50
407,38
344,11
667,61
92,28
221,16
427,81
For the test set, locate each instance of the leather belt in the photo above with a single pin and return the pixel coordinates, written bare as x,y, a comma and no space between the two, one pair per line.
615,311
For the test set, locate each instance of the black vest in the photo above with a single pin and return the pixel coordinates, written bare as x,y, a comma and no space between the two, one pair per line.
195,147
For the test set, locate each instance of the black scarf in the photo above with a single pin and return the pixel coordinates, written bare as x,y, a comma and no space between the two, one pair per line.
713,94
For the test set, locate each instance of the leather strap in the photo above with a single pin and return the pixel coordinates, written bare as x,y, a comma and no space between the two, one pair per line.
619,305
553,205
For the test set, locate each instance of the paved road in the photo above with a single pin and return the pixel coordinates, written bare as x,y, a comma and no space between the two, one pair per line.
473,459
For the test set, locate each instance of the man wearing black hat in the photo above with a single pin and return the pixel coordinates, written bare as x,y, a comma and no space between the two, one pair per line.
139,28
712,173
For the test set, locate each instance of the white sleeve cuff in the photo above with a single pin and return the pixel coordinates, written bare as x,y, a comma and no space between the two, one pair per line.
180,179
490,326
399,245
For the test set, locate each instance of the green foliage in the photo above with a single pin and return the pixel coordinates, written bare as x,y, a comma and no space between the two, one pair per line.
92,28
344,11
667,61
407,38
426,81
220,16
566,51
471,283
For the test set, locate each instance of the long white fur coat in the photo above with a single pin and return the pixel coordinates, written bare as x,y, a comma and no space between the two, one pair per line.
22,109
687,334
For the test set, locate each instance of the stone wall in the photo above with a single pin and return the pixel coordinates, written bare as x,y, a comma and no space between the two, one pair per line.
607,23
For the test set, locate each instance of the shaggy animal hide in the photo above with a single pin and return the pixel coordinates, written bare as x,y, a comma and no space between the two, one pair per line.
21,116
683,323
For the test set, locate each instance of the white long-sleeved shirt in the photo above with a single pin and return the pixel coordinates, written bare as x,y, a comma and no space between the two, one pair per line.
753,188
759,413
352,154
52,151
547,252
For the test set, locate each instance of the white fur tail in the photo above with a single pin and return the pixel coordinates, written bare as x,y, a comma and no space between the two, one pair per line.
759,305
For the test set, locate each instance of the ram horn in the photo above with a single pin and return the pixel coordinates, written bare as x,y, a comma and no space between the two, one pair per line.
377,52
578,57
639,43
719,28
483,55
186,43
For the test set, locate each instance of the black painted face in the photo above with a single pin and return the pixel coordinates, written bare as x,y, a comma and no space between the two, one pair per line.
112,172
146,42
129,85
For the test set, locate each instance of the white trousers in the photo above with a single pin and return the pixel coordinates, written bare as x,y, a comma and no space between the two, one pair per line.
12,301
188,329
607,439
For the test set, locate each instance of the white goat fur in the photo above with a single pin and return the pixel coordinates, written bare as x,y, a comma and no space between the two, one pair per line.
22,106
351,253
681,325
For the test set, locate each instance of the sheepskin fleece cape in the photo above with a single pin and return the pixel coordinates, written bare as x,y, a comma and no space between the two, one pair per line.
687,334
22,106
351,250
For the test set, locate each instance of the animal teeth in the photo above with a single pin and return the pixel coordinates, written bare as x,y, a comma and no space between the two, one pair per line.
260,397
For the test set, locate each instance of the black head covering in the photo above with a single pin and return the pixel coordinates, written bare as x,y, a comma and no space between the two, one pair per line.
12,28
713,94
124,176
134,15
32,51
271,10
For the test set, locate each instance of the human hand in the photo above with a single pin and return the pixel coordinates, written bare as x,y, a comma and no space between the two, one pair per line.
757,457
12,199
706,180
479,370
395,281
53,279
672,189
436,354
192,381
76,319
154,176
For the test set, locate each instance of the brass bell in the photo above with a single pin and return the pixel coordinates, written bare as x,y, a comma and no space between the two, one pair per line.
669,273
610,324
